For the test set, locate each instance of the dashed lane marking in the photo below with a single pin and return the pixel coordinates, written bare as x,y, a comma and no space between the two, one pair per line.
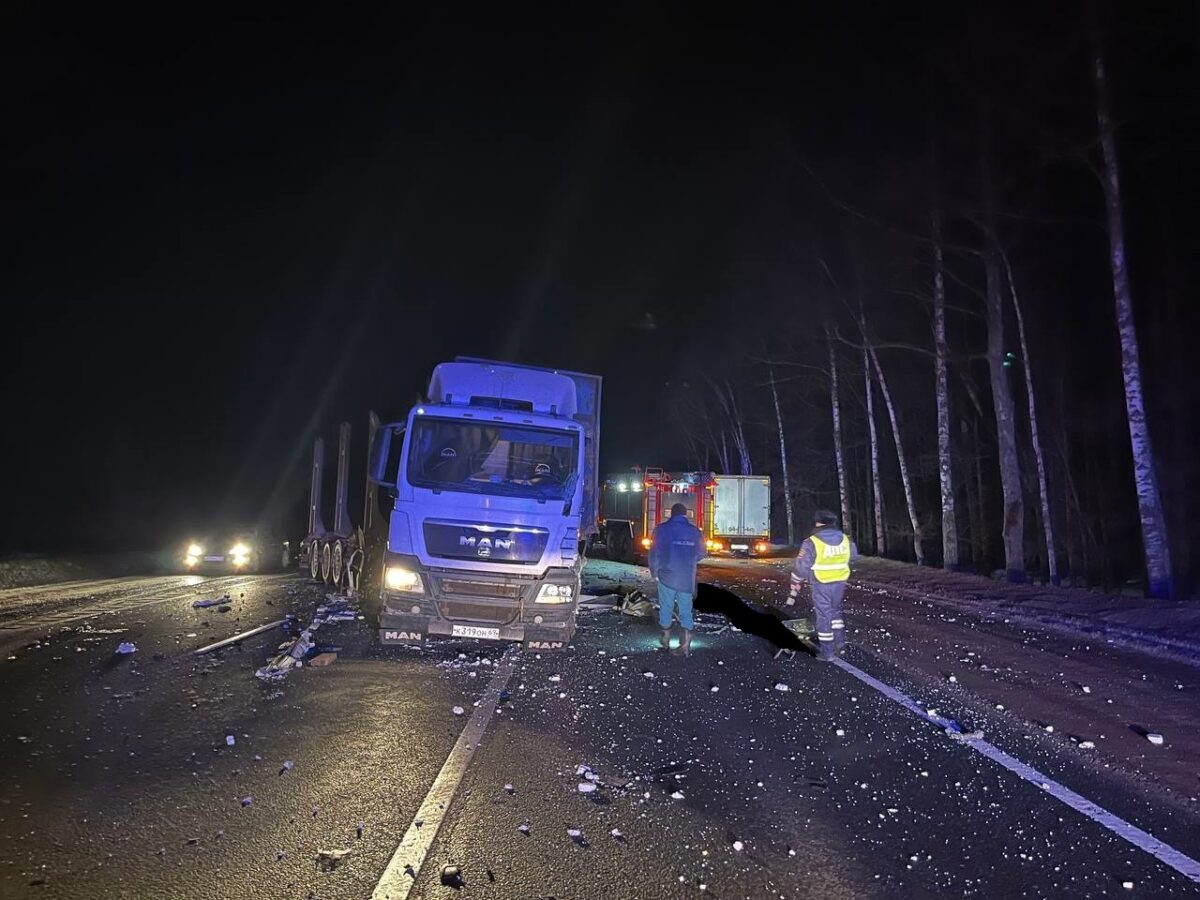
401,873
1127,831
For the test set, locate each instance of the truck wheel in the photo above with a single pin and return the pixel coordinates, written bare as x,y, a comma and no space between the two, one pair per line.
335,564
326,561
314,560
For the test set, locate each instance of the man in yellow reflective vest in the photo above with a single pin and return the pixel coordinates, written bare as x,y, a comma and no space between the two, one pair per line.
824,561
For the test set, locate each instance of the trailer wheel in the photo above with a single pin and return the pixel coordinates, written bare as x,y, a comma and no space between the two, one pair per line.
314,560
335,564
326,562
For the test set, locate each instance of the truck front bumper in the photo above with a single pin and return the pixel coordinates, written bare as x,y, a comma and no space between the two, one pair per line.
472,604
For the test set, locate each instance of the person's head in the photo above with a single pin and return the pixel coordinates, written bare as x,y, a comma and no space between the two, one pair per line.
678,510
823,518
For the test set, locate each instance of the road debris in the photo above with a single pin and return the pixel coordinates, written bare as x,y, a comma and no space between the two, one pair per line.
458,710
586,787
780,686
125,648
331,859
452,876
230,740
322,660
1155,738
216,601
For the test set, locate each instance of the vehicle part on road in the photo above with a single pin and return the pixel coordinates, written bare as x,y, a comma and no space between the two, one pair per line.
637,604
239,637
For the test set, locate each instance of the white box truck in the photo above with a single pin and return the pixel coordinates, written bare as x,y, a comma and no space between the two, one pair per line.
741,514
478,508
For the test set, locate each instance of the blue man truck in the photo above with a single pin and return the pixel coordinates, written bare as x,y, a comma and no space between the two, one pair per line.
478,507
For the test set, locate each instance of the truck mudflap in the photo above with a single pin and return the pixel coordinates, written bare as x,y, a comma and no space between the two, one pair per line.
417,629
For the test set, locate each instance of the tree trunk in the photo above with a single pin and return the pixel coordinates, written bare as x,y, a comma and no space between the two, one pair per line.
908,494
980,524
1013,524
787,490
1038,455
838,455
941,355
1145,476
877,495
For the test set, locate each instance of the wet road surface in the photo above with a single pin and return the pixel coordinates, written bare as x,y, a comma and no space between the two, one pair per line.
699,776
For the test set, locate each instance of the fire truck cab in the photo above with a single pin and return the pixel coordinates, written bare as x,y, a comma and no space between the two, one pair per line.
633,503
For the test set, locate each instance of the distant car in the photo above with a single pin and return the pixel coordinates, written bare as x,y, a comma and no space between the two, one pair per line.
236,550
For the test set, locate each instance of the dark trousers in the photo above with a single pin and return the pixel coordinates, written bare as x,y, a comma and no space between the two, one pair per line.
827,612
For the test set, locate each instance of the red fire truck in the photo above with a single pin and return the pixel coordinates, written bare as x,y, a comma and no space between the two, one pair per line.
731,511
632,503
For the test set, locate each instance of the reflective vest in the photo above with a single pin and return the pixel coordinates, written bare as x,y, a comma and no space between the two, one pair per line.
833,560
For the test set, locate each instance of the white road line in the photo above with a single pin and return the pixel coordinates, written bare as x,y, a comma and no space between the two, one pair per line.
402,871
1143,840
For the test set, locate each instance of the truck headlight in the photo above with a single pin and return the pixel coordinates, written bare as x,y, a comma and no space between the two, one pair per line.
401,579
647,543
195,550
554,593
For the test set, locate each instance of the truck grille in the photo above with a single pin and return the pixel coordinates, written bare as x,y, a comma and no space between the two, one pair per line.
461,610
490,589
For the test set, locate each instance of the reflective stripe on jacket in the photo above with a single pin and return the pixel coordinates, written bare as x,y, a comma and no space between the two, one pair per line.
832,561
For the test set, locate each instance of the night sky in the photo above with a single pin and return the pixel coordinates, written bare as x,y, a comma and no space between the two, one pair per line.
229,228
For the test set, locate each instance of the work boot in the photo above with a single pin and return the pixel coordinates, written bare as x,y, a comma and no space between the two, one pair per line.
685,644
825,651
664,639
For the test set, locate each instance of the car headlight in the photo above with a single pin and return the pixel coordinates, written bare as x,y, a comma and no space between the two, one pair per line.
554,593
397,578
239,550
194,550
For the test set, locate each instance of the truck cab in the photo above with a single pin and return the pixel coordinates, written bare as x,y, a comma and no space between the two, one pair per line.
493,499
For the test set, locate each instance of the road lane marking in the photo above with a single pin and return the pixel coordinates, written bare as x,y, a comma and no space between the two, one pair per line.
1127,831
402,871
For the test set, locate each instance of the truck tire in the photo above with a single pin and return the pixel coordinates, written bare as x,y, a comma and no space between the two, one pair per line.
336,568
314,560
326,561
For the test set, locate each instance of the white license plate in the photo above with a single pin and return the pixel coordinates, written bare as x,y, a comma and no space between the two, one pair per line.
739,546
474,631
214,559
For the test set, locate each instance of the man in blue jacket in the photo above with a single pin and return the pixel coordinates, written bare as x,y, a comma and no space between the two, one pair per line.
678,546
824,561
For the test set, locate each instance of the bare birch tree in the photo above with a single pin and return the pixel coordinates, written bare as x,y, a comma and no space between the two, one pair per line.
1012,529
1038,453
876,493
1145,475
787,489
839,456
950,558
918,550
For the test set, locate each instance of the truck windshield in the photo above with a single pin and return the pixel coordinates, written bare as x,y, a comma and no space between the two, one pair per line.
513,460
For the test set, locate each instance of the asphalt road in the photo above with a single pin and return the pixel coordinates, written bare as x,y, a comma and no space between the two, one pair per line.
119,780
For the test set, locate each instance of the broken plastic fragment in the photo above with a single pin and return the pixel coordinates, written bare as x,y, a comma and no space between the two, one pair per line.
780,686
677,795
586,787
458,710
247,800
125,648
330,859
738,845
523,828
1155,738
230,740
